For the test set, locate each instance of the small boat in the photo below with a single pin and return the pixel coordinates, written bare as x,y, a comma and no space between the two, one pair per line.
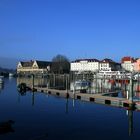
11,74
22,87
81,85
1,76
1,81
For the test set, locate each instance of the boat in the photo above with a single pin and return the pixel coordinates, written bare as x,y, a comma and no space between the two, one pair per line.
23,87
1,81
11,74
1,76
80,85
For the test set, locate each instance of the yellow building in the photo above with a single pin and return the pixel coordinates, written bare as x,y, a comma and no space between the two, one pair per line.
33,67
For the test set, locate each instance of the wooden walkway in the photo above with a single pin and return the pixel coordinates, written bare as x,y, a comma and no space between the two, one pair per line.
96,98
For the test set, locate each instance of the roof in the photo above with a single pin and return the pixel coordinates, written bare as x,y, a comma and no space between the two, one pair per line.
89,60
43,64
27,64
107,60
127,58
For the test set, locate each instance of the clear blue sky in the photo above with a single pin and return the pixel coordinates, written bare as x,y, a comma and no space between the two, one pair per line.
41,29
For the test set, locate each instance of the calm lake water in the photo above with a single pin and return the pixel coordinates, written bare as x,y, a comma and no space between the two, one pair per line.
40,116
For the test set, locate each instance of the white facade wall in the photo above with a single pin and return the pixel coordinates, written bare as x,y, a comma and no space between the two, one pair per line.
128,65
105,67
84,66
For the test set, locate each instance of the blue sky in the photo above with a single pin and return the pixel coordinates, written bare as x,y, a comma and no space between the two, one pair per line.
41,29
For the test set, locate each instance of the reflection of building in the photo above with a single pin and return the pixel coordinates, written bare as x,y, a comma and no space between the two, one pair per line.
35,67
1,86
29,81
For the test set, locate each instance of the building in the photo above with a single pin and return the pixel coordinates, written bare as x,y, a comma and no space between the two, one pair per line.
109,68
81,65
109,65
103,67
127,63
137,65
33,67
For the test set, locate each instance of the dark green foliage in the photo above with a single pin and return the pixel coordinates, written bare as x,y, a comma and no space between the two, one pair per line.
60,65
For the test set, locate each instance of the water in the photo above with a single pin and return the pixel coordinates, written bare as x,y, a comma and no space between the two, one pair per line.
40,116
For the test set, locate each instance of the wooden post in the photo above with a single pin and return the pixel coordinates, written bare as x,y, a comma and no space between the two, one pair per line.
131,89
53,80
66,84
33,82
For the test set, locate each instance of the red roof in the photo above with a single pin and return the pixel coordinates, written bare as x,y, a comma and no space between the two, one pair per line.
127,58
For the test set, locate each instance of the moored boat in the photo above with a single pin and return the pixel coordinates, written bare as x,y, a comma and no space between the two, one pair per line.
1,81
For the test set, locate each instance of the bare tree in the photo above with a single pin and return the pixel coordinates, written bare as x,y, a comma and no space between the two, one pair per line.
60,64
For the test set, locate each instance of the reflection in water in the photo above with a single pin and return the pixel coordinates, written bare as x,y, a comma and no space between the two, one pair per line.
91,86
6,127
95,86
130,119
61,116
33,99
67,106
1,86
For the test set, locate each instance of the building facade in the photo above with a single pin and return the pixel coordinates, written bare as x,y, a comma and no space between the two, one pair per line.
127,63
109,68
33,67
85,65
103,67
137,65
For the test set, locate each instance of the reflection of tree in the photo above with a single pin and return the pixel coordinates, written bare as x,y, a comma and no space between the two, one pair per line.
6,127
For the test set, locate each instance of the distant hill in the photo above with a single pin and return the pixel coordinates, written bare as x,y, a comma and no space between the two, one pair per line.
6,70
8,63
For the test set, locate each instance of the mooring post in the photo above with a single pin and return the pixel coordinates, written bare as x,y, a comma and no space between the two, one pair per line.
33,82
131,89
66,83
53,80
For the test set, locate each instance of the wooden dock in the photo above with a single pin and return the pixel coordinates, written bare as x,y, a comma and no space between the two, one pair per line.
96,98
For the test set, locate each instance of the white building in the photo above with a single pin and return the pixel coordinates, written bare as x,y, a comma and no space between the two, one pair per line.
85,65
109,68
127,63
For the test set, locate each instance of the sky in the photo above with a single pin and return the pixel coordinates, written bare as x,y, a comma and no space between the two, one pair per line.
41,29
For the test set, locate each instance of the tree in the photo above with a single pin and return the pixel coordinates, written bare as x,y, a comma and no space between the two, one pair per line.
60,64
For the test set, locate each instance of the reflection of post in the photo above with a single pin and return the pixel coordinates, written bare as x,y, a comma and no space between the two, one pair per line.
73,102
130,121
33,99
66,106
18,98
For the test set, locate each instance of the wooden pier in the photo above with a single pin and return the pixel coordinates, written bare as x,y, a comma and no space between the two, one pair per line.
96,98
